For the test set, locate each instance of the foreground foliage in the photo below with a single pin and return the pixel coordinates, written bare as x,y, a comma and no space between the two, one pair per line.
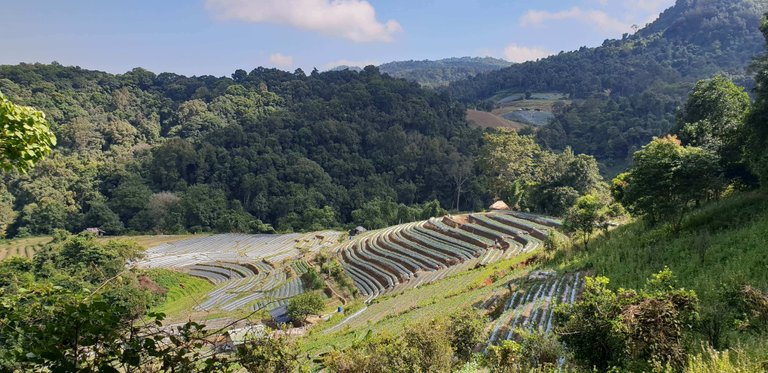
436,346
629,329
25,137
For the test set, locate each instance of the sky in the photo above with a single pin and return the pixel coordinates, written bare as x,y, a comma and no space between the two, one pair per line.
216,37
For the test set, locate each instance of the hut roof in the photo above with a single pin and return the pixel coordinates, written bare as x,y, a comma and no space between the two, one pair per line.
500,205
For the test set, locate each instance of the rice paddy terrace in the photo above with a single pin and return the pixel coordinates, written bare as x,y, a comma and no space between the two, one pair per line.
409,255
251,272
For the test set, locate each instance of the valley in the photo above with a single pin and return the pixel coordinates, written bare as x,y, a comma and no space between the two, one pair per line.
281,204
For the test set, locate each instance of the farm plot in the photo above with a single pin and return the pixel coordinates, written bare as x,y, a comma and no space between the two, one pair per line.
247,270
531,305
413,254
532,117
234,248
23,247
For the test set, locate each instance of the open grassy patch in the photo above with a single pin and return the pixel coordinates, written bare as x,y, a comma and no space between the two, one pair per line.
719,247
183,292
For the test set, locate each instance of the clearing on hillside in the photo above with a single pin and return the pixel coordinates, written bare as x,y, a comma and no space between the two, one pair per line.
484,119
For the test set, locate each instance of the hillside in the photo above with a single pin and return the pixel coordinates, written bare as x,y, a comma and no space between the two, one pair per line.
442,72
719,248
437,73
630,88
166,153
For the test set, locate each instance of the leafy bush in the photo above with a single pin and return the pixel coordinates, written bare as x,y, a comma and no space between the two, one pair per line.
312,280
629,329
303,305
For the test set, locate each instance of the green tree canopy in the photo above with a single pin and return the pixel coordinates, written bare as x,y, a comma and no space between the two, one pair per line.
586,216
713,119
757,124
714,114
667,179
25,137
301,306
528,177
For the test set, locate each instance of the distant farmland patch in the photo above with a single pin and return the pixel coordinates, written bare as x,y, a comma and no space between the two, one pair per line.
532,117
23,247
485,119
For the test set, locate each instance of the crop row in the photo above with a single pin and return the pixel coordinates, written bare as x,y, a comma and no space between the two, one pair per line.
235,248
391,258
532,307
26,251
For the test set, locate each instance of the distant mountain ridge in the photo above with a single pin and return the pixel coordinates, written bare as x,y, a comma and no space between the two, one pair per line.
627,90
437,73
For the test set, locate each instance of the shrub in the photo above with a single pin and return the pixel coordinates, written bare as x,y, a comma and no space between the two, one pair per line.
301,306
466,331
629,329
312,280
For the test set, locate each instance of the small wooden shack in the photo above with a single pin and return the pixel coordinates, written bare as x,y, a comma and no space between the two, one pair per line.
95,231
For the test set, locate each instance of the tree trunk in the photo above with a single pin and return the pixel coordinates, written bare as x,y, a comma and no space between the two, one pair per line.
458,197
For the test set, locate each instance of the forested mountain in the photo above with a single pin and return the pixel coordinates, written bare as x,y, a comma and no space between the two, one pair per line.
168,153
442,72
628,90
437,73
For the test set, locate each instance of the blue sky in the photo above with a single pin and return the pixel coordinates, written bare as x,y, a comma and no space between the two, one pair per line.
216,37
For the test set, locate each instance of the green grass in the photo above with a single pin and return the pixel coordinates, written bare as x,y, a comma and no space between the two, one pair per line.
24,247
718,246
179,301
392,313
723,243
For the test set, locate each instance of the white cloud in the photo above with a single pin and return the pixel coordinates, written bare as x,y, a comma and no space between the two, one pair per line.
349,19
281,61
517,53
623,14
598,18
652,6
350,63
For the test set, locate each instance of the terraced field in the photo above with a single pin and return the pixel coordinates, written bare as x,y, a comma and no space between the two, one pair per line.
250,272
27,247
531,305
22,247
413,254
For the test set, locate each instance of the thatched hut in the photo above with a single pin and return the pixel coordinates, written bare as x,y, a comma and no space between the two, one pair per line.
499,205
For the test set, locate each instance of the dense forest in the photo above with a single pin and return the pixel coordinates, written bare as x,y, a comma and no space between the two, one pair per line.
272,150
167,153
628,90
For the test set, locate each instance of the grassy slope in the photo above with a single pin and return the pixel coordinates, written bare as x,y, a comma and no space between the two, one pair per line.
184,292
392,313
722,244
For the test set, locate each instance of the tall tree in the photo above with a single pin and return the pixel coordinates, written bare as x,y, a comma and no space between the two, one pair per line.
513,161
757,124
586,216
667,179
713,118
